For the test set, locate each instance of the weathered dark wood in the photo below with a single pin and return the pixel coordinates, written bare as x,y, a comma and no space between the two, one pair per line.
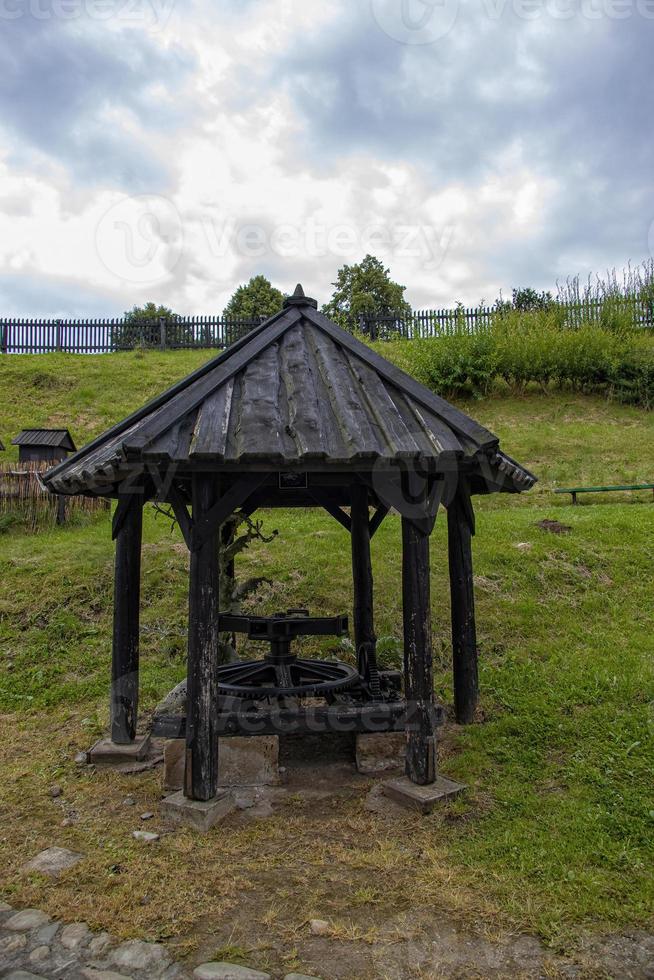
207,524
125,650
182,516
456,419
364,629
61,510
418,673
160,400
377,518
464,638
201,772
325,500
313,719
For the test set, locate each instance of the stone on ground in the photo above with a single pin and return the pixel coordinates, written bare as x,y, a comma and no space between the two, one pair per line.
5,908
90,974
53,861
26,920
40,954
319,927
145,835
22,975
227,971
11,944
99,944
138,955
74,935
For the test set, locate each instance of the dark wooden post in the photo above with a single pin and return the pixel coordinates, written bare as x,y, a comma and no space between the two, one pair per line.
201,771
61,509
418,673
464,637
125,653
364,631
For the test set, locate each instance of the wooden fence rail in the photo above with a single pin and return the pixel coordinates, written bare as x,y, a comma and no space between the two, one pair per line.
25,336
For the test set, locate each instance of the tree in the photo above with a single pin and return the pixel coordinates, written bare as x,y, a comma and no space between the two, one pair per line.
141,327
531,299
365,290
258,298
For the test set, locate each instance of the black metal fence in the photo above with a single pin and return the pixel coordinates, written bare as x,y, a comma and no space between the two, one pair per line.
24,336
19,336
443,323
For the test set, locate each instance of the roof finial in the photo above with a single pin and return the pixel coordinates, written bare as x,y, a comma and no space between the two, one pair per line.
299,299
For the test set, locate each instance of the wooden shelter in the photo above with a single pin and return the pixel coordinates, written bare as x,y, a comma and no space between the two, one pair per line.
47,445
297,414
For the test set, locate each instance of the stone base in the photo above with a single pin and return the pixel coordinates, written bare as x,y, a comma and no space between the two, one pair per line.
423,798
108,753
197,814
380,752
242,761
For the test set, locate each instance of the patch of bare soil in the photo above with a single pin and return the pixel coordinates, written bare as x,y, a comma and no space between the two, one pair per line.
554,527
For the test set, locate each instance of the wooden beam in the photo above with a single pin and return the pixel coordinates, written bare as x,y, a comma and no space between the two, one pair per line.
323,498
125,647
181,513
377,518
120,513
201,771
464,637
364,631
166,396
418,671
207,524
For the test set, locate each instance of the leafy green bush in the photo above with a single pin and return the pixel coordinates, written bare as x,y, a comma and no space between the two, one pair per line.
537,347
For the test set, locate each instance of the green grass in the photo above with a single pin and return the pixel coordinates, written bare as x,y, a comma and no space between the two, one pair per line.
556,830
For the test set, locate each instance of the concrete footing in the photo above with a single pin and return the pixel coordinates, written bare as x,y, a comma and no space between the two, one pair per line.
423,798
381,752
108,753
242,761
198,814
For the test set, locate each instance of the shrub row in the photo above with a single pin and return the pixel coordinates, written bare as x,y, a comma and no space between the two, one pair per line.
534,349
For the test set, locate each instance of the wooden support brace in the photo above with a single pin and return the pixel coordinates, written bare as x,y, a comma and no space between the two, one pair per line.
377,518
207,524
322,498
181,513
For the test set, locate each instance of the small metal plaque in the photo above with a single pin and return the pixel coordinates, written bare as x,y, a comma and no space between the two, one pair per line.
293,481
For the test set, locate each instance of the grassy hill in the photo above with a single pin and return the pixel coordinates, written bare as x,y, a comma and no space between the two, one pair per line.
563,436
555,832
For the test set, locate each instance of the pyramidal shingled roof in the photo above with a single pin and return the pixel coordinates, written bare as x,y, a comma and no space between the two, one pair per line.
296,392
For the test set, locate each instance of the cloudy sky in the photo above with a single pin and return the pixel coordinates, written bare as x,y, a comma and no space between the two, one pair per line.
154,149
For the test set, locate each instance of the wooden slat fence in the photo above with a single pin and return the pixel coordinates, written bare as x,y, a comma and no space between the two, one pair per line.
20,336
23,336
443,323
24,500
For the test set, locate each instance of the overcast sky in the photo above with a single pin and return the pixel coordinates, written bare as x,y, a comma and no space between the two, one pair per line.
153,150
